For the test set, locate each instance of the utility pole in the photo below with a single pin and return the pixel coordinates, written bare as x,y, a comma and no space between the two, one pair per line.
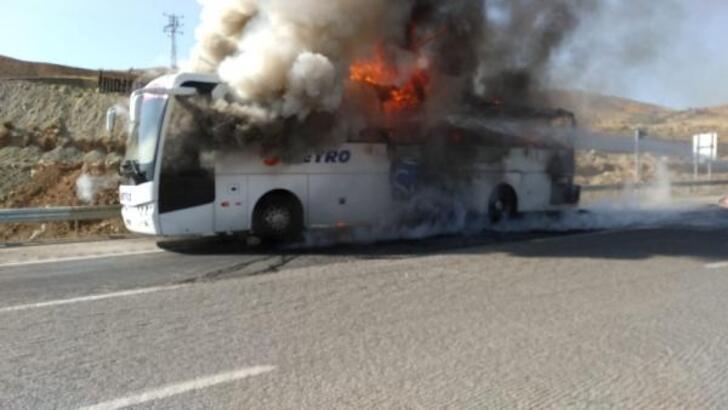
173,29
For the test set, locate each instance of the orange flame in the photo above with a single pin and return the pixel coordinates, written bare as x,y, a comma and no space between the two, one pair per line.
383,77
375,71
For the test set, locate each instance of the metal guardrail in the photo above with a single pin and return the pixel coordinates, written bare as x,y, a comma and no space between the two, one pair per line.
679,184
97,213
64,214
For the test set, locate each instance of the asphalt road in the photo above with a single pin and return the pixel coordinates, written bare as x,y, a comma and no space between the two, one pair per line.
627,317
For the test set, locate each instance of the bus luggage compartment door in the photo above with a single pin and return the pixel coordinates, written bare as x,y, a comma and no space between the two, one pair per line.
231,207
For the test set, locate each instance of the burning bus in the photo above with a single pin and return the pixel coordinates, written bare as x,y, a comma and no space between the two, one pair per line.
175,185
274,136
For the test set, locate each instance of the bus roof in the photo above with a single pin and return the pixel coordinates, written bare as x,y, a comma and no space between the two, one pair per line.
170,81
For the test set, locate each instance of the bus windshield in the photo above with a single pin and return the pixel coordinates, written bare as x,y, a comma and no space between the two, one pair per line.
141,152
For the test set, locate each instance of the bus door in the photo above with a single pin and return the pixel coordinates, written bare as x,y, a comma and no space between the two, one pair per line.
187,180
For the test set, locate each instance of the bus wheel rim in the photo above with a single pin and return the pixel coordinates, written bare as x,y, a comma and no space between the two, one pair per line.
278,219
499,206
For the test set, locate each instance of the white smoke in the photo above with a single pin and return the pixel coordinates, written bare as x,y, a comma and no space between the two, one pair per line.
222,23
289,57
312,85
661,188
88,187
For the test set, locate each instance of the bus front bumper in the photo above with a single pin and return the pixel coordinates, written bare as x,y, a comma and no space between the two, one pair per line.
141,219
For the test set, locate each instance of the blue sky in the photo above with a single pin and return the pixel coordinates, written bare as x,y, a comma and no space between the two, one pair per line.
93,33
687,68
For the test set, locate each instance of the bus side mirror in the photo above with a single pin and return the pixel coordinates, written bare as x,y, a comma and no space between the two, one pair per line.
110,120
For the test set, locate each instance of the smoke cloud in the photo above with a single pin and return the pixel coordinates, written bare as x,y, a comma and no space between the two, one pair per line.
286,59
520,40
628,48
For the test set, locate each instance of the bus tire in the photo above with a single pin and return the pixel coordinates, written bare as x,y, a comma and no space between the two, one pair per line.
503,204
278,217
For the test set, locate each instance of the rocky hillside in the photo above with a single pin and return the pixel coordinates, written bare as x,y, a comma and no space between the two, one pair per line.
12,68
622,116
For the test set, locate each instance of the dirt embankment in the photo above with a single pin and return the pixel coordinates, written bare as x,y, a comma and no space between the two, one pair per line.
49,136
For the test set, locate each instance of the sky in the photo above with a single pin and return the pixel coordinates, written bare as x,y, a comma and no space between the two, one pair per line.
669,52
94,33
682,45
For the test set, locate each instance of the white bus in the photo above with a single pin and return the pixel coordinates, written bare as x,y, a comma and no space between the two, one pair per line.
223,191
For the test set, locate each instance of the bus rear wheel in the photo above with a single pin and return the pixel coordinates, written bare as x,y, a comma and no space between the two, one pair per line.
503,204
279,218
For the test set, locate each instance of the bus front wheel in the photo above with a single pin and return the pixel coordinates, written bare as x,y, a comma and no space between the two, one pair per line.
503,204
278,217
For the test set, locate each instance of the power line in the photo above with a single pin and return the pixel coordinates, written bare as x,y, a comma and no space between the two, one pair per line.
173,29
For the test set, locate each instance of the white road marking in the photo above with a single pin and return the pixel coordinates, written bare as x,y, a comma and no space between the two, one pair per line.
80,258
180,388
719,265
86,299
